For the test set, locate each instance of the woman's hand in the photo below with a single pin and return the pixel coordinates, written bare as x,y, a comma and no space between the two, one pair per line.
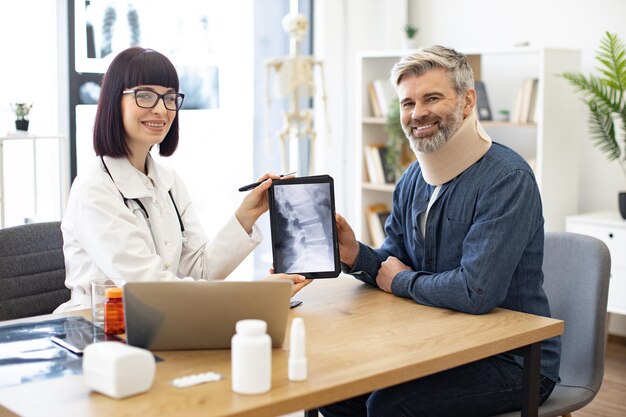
255,203
299,281
348,245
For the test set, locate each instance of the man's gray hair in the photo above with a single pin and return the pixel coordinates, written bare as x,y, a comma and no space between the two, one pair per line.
432,57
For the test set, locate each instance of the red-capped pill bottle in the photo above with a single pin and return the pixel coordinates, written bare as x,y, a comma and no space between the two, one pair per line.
114,312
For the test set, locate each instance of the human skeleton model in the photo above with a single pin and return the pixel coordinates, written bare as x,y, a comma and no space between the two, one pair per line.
295,76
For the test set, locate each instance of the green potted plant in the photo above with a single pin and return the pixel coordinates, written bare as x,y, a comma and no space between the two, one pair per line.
410,32
605,96
395,142
21,110
505,115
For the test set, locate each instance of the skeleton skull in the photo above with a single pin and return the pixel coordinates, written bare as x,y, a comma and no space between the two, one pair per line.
295,24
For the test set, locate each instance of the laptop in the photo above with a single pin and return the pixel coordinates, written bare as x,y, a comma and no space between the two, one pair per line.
178,315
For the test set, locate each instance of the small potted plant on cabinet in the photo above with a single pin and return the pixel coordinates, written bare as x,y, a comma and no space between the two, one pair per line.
605,96
21,110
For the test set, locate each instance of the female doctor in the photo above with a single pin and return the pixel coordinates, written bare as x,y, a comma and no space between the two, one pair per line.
130,218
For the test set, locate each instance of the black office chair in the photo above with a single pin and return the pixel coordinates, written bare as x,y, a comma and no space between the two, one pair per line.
32,270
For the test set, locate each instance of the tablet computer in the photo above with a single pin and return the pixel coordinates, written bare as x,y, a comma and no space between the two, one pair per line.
303,229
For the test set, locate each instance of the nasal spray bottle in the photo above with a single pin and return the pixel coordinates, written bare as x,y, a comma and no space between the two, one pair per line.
297,351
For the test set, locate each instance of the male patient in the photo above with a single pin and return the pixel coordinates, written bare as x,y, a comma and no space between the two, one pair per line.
465,233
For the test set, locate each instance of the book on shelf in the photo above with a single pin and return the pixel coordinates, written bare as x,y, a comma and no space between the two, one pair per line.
377,215
370,165
532,111
516,109
482,101
384,93
525,102
388,170
371,91
389,176
378,163
378,169
529,88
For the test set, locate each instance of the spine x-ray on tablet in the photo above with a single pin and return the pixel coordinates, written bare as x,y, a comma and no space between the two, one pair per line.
302,218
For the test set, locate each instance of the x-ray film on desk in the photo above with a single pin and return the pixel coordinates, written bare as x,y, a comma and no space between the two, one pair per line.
302,220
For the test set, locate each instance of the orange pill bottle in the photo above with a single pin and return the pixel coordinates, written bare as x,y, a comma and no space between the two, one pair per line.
114,312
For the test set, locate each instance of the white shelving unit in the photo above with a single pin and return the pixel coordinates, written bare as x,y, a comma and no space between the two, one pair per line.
551,145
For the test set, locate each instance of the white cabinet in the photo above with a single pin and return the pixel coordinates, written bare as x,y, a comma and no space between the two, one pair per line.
609,227
550,145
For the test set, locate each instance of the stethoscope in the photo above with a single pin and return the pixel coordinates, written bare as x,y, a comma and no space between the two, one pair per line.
143,208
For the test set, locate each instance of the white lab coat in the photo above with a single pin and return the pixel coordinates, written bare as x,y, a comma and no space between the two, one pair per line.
103,238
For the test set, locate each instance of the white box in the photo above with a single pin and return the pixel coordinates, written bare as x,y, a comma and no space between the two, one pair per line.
118,370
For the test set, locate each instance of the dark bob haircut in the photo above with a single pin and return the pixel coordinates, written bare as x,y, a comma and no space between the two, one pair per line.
132,67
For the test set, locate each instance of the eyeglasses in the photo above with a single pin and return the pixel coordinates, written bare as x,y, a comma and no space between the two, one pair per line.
147,99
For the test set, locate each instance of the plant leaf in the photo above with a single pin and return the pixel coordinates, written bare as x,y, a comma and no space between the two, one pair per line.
594,88
602,131
612,56
605,95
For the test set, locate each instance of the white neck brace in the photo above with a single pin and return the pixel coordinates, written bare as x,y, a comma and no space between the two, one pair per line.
466,146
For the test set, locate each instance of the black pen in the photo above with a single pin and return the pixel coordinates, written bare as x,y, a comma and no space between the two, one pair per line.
256,184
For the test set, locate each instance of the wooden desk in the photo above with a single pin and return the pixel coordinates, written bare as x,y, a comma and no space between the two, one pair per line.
358,339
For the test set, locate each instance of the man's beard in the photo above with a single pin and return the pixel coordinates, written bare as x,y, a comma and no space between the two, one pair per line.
447,128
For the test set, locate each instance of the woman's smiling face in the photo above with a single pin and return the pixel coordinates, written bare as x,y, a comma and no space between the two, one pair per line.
146,127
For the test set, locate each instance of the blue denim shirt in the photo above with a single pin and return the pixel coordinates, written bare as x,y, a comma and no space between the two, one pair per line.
483,246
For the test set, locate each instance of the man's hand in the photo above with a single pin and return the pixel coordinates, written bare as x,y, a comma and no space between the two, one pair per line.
348,246
388,271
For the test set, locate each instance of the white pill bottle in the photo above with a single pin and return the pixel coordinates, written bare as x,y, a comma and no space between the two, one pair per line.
251,358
